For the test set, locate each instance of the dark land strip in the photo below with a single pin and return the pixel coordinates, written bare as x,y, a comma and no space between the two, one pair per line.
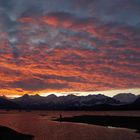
10,134
112,121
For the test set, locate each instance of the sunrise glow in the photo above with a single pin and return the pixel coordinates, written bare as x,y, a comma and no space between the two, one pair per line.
66,50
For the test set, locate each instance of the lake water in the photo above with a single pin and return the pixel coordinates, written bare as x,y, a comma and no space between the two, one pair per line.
40,124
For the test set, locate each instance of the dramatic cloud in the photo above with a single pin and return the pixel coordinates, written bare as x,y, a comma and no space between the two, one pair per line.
77,45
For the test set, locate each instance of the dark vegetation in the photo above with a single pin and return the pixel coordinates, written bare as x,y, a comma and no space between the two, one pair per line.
114,121
9,134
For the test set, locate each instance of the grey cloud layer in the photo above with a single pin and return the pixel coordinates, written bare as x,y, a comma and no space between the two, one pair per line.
108,10
95,42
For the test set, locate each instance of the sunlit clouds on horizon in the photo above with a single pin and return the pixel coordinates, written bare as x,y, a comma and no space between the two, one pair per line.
67,47
109,93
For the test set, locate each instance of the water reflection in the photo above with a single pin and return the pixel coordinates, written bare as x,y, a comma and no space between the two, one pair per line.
39,124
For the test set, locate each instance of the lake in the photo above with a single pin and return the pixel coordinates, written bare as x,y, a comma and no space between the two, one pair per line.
41,125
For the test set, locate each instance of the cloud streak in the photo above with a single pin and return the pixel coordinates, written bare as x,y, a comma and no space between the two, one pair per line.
47,46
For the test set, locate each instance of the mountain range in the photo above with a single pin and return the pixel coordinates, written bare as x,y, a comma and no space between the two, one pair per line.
123,101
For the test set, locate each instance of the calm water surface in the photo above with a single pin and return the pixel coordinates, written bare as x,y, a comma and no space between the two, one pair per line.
40,124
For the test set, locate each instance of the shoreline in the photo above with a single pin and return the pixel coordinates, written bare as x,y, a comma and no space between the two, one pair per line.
129,122
41,126
7,133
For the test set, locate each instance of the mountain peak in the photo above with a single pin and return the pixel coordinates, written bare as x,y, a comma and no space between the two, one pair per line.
51,96
25,96
3,96
36,95
71,95
125,97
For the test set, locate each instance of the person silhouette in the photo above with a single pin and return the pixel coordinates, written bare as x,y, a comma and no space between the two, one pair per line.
60,117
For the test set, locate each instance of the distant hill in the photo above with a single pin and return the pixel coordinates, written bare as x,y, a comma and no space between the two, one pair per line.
72,102
7,104
137,101
125,97
69,102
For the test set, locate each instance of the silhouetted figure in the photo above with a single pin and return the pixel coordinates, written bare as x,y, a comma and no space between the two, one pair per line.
60,117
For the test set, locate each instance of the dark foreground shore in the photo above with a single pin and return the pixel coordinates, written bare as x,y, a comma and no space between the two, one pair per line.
109,121
9,134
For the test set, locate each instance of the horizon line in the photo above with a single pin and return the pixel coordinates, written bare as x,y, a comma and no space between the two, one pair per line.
109,93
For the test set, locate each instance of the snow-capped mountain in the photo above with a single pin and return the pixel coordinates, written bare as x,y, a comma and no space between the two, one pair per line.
125,97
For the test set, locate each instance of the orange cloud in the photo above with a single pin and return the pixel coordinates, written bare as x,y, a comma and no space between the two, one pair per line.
83,56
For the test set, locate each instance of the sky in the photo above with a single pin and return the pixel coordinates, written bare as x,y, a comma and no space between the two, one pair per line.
69,46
